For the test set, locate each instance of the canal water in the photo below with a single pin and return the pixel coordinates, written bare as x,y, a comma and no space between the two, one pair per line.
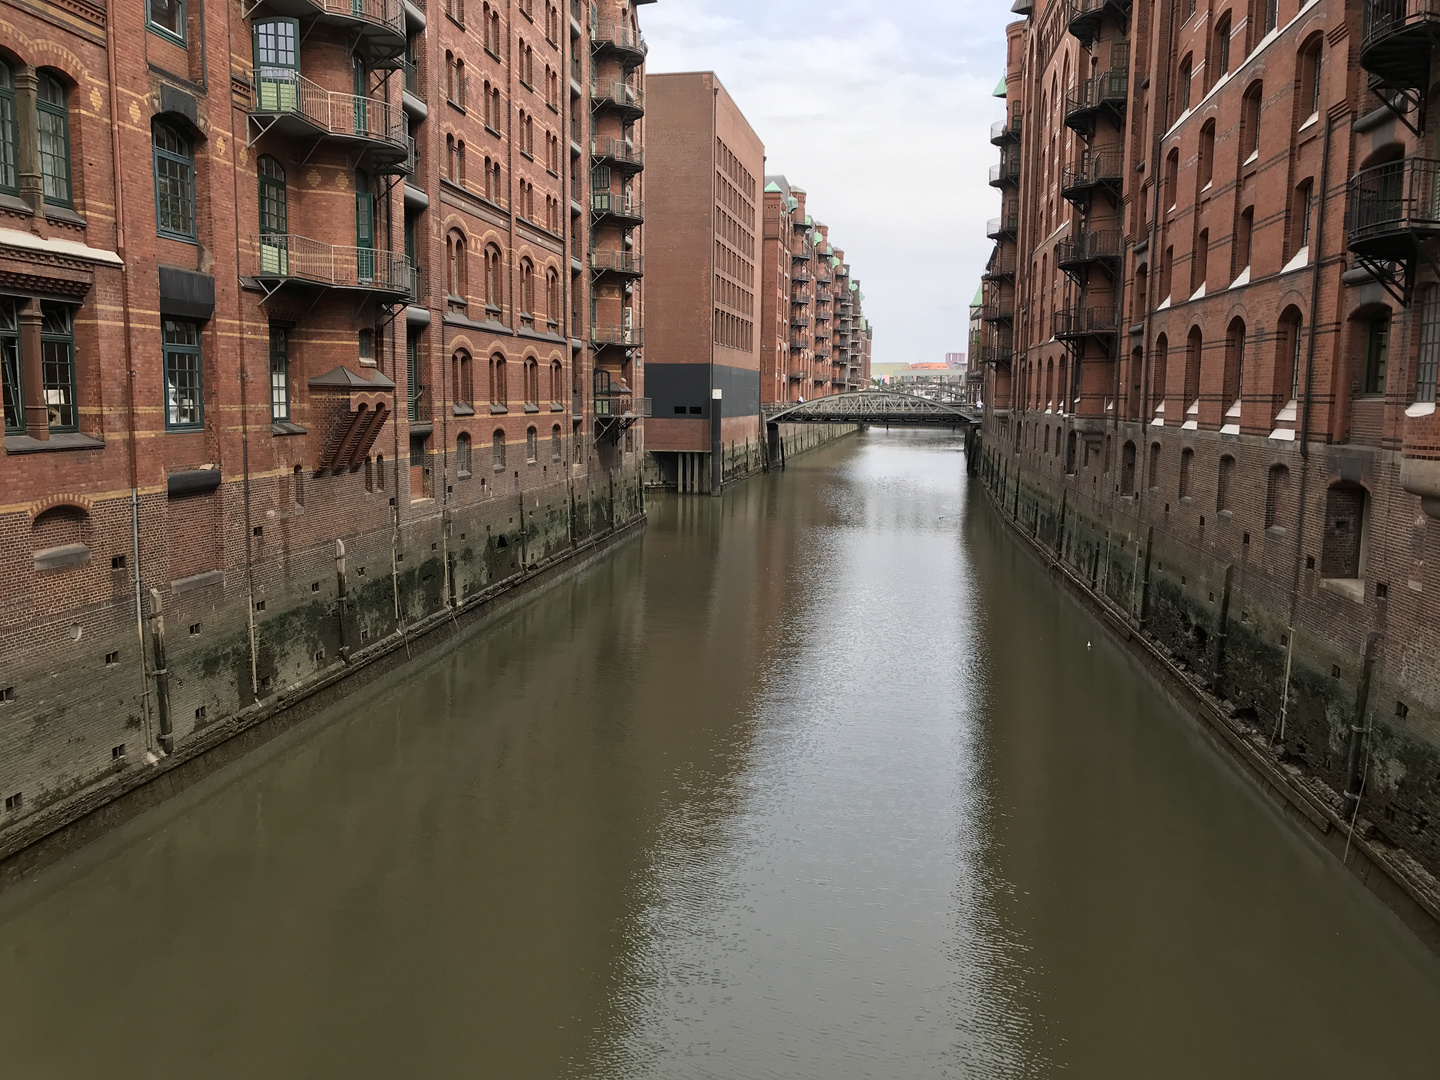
822,779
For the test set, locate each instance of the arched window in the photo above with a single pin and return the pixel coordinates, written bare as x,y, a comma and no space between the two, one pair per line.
53,114
1200,262
1234,368
1287,359
460,83
452,167
1221,50
460,162
1182,95
1193,347
1172,180
1377,354
532,445
1205,158
497,449
1224,484
449,75
274,217
464,388
1158,361
1300,216
1277,495
1153,482
174,182
555,446
499,388
1307,74
552,297
527,289
1250,122
462,454
493,286
532,383
1127,468
1187,467
455,251
1244,233
9,133
557,384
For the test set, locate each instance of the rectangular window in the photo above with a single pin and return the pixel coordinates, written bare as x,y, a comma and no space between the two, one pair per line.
184,407
1427,365
279,373
10,368
53,127
174,184
9,135
1303,200
57,367
167,18
412,375
1377,355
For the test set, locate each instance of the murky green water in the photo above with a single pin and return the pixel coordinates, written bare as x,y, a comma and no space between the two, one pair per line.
819,780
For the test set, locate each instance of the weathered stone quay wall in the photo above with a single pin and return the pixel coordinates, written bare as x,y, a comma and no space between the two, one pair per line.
1322,691
223,661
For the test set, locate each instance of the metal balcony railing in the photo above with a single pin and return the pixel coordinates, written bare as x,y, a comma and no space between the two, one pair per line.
802,252
1396,37
287,256
1003,228
1092,168
410,70
348,116
608,204
417,284
800,276
1007,172
1089,246
1008,130
618,262
385,14
1086,321
1392,206
615,402
617,152
620,37
1000,309
618,94
999,355
1001,266
799,320
629,336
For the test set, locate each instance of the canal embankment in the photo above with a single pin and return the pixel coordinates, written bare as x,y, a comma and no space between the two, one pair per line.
1271,705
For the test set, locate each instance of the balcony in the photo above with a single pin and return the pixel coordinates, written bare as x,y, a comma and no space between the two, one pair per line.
294,106
378,26
622,263
1396,37
1087,15
1001,267
996,355
622,156
1392,209
412,83
822,313
1003,132
799,376
1007,173
802,253
614,36
1003,228
800,319
620,96
1094,170
620,209
275,261
999,310
1103,94
822,352
625,337
1102,247
800,276
822,333
1079,324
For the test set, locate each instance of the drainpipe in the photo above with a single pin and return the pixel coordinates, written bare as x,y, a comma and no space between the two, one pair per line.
1162,95
162,674
132,464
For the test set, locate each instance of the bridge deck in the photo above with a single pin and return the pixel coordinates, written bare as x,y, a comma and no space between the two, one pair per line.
875,407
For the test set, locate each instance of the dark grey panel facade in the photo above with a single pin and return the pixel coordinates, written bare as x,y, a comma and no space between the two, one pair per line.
686,387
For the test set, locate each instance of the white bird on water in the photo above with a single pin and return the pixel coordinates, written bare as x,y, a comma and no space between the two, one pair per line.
1087,644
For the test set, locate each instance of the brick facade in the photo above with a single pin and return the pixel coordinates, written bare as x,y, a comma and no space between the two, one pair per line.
355,338
1210,327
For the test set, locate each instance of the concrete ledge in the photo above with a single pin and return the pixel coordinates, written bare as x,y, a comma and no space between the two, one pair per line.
57,558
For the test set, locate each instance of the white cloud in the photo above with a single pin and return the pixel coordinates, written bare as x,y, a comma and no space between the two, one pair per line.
882,113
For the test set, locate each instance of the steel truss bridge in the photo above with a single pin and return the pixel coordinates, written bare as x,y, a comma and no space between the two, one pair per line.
876,407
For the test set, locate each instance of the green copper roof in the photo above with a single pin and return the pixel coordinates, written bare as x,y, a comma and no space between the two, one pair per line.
792,203
809,220
834,263
861,295
979,300
854,286
772,186
829,250
1000,87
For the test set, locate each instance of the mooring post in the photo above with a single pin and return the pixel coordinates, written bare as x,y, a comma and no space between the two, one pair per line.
1354,756
717,449
1145,584
342,600
161,673
1222,631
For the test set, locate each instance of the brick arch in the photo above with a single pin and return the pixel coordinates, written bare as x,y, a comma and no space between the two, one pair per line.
462,341
45,53
50,502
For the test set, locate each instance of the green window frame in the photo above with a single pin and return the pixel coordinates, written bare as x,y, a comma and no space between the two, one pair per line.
277,64
9,133
10,368
184,376
166,18
274,217
57,366
413,387
279,373
52,110
174,182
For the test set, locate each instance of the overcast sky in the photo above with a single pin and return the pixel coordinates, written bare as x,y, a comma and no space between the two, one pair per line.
881,111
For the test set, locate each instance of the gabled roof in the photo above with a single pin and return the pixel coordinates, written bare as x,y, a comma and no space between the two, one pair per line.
1000,87
772,186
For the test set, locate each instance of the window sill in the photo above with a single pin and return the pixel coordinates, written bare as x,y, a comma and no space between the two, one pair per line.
463,475
1349,588
555,406
498,410
531,407
286,427
68,440
166,35
64,215
462,410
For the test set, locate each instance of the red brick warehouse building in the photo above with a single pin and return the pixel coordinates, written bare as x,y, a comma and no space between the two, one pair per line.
1211,336
318,320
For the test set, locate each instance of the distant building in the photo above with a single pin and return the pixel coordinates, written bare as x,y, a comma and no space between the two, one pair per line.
955,359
